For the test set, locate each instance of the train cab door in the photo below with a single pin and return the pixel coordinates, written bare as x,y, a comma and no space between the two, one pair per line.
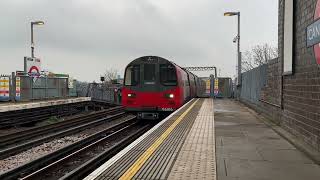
150,83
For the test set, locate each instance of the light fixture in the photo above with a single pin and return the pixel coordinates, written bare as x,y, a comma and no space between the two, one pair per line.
237,40
170,96
37,23
32,43
231,13
131,95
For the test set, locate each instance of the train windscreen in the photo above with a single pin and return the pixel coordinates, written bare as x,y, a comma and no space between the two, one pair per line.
132,75
168,76
149,74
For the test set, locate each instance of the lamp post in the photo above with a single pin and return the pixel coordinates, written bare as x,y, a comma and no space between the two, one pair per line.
32,43
237,39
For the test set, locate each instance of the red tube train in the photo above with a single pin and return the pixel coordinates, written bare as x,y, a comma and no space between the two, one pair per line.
154,85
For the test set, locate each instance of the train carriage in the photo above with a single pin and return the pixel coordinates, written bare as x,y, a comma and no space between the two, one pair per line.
153,85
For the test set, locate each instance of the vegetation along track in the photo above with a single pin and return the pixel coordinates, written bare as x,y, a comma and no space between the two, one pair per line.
16,142
80,158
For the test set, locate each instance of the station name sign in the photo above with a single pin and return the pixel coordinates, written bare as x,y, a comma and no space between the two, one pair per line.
313,33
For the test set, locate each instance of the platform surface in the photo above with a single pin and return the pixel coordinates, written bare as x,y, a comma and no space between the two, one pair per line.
210,139
180,147
11,106
248,149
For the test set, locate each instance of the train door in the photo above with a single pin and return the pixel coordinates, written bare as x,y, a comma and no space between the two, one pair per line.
150,84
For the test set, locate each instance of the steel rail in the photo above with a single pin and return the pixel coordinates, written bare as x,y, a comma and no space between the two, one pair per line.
21,147
18,117
41,130
48,159
32,118
93,163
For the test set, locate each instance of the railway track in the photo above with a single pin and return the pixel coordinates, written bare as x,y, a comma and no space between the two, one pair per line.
17,142
79,159
32,117
21,117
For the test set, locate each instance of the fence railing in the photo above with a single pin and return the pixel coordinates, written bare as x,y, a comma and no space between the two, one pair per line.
25,88
252,84
101,92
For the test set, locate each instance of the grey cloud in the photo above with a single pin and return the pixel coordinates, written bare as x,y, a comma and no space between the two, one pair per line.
89,35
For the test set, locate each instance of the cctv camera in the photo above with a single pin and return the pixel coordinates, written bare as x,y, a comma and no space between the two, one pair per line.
235,39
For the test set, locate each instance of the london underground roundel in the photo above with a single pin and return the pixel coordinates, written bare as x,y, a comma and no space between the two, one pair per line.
34,71
317,46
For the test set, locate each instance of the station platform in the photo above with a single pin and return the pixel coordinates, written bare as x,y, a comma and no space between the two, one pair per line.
13,106
248,147
182,146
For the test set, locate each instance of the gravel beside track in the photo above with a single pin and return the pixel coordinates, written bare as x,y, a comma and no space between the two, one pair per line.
12,150
54,145
27,134
80,159
40,165
43,149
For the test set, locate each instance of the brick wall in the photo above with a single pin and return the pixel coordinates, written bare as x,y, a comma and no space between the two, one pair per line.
270,101
301,91
272,91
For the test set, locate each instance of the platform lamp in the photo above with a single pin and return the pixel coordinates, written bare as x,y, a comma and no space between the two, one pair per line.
32,42
237,39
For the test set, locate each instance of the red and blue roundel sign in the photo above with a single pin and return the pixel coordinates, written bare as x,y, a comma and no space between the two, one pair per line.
316,47
34,71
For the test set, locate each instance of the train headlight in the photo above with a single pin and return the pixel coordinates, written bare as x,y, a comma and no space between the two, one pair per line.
131,95
170,96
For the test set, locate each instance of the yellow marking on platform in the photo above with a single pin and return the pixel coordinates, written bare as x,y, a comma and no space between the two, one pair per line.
147,154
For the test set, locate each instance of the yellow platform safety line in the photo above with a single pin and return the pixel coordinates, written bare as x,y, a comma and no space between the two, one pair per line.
147,154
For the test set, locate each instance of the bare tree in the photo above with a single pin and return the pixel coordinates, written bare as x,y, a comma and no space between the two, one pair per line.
247,61
258,55
110,75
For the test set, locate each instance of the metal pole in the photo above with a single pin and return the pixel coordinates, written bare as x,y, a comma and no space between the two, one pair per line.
32,43
239,54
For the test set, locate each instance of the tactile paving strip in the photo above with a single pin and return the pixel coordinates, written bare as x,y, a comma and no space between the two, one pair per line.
196,159
159,165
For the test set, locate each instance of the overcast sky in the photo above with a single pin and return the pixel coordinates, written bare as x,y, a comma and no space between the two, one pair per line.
85,37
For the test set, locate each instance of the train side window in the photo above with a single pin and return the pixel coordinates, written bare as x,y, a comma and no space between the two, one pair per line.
149,74
132,75
168,75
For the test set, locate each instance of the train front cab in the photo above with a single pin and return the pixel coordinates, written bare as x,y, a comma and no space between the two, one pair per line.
152,87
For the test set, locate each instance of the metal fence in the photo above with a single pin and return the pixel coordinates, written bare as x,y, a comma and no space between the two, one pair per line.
224,87
25,88
252,83
43,88
100,92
